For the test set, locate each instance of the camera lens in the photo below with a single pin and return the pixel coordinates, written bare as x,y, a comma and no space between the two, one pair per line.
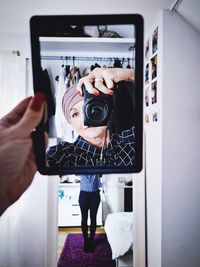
96,111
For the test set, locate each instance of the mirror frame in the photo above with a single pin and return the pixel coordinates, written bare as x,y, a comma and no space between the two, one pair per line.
38,27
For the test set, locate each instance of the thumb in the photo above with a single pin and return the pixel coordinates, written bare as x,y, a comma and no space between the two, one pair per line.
31,117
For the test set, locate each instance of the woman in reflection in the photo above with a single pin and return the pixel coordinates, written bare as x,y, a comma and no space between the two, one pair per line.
95,146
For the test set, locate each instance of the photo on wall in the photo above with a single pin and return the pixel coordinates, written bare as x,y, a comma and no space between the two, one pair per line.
147,73
154,92
155,116
147,50
154,67
146,118
155,41
147,97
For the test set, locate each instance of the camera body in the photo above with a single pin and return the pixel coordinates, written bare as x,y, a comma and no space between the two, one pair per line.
97,109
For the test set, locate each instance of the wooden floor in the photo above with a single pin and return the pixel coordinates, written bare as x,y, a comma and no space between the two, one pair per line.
64,231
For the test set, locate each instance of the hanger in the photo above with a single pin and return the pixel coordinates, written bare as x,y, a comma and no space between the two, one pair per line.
128,66
117,63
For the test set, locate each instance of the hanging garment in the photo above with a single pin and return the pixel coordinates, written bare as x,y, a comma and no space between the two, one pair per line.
128,66
67,78
45,84
95,66
74,75
60,120
117,63
86,71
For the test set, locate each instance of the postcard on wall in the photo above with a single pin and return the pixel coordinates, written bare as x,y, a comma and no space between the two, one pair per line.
154,67
154,92
155,41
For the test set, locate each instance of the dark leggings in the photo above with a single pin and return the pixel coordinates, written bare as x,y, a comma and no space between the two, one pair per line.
89,201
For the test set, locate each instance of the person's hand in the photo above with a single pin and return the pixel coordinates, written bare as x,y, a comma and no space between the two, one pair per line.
17,161
103,79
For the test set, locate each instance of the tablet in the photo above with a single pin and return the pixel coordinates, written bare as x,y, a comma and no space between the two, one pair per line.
90,68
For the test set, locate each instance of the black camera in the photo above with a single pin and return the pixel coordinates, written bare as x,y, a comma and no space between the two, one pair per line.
97,109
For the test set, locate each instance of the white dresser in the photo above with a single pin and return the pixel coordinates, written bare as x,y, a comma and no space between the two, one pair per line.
69,213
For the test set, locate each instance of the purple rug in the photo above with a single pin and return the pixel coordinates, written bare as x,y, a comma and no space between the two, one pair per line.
73,255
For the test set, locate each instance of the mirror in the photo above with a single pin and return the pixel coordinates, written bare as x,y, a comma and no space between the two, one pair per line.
90,69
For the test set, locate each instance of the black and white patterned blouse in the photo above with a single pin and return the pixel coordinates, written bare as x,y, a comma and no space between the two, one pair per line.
120,152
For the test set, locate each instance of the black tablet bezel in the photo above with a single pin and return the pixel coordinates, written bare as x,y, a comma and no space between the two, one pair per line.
38,25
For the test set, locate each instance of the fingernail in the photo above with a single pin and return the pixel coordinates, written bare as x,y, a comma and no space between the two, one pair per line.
96,93
37,101
29,98
110,93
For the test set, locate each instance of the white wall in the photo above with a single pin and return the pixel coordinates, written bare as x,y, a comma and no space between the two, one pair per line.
28,228
181,146
22,225
153,152
173,148
139,251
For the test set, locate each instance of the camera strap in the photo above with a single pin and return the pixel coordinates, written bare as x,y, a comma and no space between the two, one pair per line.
102,160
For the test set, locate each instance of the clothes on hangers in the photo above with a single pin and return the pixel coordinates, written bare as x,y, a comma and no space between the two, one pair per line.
74,75
67,77
59,117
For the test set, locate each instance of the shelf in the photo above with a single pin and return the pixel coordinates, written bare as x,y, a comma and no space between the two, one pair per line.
69,184
86,40
68,46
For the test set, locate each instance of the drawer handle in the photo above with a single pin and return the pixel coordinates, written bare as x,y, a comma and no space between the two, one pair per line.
75,214
75,204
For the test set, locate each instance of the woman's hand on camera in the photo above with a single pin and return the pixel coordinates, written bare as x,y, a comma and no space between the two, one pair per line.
17,161
104,79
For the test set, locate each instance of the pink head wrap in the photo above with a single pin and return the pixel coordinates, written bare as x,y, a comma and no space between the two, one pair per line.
70,98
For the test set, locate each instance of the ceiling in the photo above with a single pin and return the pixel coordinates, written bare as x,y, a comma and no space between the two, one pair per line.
190,10
15,15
